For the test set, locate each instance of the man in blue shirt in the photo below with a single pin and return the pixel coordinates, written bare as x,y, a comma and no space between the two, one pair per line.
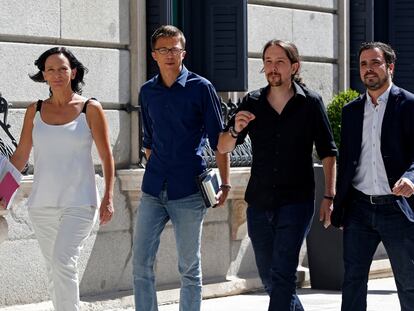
179,111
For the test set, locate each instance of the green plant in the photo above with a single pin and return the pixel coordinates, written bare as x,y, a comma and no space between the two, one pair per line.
334,110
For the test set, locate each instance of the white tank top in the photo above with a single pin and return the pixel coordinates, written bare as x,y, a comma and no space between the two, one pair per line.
64,174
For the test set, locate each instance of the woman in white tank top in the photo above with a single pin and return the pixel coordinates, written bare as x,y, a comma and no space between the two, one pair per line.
63,205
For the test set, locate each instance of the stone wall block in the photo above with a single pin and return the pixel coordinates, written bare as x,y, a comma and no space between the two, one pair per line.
108,76
322,78
215,251
120,138
315,34
107,79
270,23
109,267
94,20
217,213
30,18
16,65
238,220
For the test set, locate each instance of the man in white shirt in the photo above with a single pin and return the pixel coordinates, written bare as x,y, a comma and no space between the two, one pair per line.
374,201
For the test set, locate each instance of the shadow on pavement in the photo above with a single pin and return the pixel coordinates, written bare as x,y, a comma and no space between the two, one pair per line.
310,291
382,292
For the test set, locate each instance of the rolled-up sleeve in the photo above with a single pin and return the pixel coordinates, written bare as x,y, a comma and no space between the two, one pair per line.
324,141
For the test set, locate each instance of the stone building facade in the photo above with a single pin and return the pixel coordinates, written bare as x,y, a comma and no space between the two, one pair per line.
109,37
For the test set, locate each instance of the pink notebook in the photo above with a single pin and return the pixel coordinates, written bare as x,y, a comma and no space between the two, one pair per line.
7,187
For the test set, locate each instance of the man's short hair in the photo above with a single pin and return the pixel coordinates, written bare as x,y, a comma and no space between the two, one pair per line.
387,51
167,31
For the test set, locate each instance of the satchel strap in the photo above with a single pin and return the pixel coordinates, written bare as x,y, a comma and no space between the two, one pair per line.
39,105
40,102
86,104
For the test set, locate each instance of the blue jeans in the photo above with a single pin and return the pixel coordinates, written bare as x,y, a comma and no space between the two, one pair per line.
277,236
365,227
186,216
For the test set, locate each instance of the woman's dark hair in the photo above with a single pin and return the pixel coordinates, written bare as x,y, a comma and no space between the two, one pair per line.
292,54
81,70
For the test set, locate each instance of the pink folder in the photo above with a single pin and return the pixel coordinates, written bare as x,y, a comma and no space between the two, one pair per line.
7,187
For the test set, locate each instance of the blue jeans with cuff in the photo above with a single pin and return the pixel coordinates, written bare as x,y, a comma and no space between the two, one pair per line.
186,215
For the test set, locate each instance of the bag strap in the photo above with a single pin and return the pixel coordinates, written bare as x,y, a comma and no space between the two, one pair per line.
40,102
39,105
86,104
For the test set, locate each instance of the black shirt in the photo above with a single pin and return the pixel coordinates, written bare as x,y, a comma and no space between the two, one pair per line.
282,145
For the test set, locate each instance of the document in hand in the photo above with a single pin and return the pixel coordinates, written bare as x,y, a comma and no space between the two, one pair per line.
209,183
10,179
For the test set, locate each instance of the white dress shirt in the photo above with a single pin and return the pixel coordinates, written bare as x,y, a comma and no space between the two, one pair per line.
370,176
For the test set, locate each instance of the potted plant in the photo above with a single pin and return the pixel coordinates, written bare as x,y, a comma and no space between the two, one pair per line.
325,245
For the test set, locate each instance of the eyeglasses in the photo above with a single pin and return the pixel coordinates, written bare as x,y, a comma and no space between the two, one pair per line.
165,51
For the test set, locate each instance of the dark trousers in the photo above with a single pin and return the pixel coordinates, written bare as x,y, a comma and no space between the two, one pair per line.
277,236
366,225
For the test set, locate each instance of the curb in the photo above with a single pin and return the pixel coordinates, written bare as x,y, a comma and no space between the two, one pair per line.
234,286
123,300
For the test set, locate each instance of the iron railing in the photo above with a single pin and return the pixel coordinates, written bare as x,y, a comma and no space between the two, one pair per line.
240,156
7,142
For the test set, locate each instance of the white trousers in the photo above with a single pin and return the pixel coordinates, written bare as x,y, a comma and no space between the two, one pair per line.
61,233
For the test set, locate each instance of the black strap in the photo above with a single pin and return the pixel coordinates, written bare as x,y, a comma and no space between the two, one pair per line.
5,128
40,102
86,104
39,105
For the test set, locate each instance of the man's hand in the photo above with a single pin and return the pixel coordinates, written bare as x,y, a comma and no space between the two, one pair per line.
106,211
3,204
242,119
222,196
325,212
403,187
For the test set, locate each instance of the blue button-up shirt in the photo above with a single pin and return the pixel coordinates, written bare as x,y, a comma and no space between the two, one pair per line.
176,123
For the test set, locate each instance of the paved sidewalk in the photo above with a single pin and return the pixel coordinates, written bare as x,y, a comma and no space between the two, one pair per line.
382,296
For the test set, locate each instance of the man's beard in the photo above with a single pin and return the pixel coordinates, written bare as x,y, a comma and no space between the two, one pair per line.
375,83
274,79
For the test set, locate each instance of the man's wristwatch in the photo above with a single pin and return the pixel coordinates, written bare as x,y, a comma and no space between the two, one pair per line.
225,186
233,132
